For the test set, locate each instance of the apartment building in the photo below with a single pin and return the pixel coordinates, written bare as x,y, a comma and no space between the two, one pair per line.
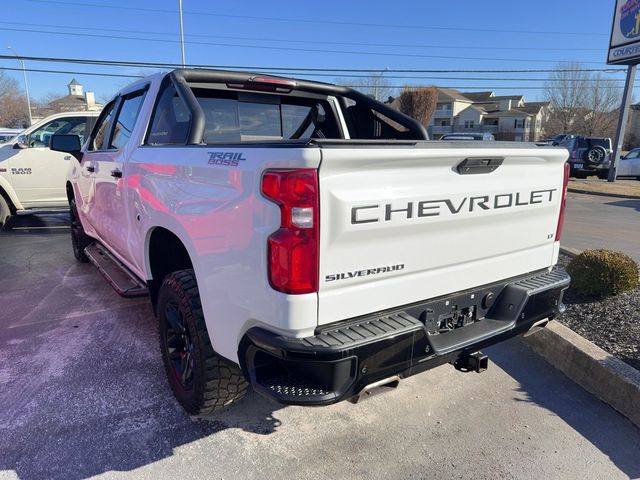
507,117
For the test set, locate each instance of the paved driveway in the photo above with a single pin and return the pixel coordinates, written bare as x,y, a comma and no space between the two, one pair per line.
83,393
594,221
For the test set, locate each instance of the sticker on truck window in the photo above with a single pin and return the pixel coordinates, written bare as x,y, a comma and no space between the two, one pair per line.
226,159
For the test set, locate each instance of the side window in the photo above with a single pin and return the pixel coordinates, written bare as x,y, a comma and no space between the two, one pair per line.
126,119
62,126
171,120
101,128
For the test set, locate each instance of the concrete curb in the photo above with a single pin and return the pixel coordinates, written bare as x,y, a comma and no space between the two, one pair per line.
602,194
570,252
608,378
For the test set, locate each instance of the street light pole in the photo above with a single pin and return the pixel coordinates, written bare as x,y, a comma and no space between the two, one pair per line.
26,84
181,33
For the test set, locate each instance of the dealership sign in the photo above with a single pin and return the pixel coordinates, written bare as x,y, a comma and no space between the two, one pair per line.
624,47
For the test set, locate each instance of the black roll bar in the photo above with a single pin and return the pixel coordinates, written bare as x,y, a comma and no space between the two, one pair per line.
181,78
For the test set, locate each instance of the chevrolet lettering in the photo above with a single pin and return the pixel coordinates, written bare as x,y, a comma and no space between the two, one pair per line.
433,208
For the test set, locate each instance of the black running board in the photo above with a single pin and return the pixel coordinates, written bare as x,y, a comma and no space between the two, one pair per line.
121,279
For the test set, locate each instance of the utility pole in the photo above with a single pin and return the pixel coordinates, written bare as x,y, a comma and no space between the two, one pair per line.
181,33
622,122
26,85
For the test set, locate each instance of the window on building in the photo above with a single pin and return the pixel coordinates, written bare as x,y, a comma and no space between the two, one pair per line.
443,106
442,122
518,123
469,124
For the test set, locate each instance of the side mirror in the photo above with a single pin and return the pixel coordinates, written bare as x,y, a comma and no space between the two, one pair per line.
22,142
67,143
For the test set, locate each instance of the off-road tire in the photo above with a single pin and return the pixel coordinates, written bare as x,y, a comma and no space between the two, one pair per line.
215,382
79,239
5,211
596,155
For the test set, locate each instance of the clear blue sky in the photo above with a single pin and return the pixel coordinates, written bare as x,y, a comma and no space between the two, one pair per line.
422,28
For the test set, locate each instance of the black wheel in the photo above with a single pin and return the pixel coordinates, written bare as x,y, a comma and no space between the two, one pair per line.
79,239
202,381
5,211
596,155
603,175
580,175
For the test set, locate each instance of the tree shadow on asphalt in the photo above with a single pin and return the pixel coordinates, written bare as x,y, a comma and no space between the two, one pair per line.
542,384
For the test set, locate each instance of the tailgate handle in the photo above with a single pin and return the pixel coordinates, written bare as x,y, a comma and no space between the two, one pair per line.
474,166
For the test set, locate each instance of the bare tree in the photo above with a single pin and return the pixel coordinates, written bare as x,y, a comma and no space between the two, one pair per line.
418,102
583,103
13,103
376,86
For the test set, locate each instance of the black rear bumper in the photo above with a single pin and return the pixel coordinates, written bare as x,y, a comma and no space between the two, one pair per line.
343,358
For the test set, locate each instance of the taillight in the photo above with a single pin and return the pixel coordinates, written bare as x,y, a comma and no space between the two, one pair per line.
293,249
563,202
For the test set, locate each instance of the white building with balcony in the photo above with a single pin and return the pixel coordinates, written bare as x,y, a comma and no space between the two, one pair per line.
507,117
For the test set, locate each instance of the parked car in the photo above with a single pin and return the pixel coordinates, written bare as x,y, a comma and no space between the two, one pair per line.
588,155
629,165
306,239
32,176
7,134
452,137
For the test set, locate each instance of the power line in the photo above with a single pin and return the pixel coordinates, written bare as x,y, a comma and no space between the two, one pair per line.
70,72
290,49
337,71
306,41
465,87
319,22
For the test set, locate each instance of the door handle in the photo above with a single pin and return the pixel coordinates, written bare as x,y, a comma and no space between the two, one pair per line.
91,168
116,173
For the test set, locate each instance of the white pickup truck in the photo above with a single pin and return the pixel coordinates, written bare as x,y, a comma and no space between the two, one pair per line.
33,177
307,240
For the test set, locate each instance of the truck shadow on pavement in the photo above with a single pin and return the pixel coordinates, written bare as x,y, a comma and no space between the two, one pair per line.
542,384
635,204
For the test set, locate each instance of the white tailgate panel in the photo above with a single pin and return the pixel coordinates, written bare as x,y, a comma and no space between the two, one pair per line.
441,252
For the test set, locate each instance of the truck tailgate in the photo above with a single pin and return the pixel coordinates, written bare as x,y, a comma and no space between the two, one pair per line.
400,224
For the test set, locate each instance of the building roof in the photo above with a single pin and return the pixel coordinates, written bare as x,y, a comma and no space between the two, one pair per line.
509,97
452,93
511,113
74,82
479,96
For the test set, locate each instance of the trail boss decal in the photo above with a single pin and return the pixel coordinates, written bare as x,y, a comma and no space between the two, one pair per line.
363,273
21,171
433,208
225,159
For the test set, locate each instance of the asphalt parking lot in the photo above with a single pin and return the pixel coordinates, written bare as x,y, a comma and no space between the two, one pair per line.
83,394
596,221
